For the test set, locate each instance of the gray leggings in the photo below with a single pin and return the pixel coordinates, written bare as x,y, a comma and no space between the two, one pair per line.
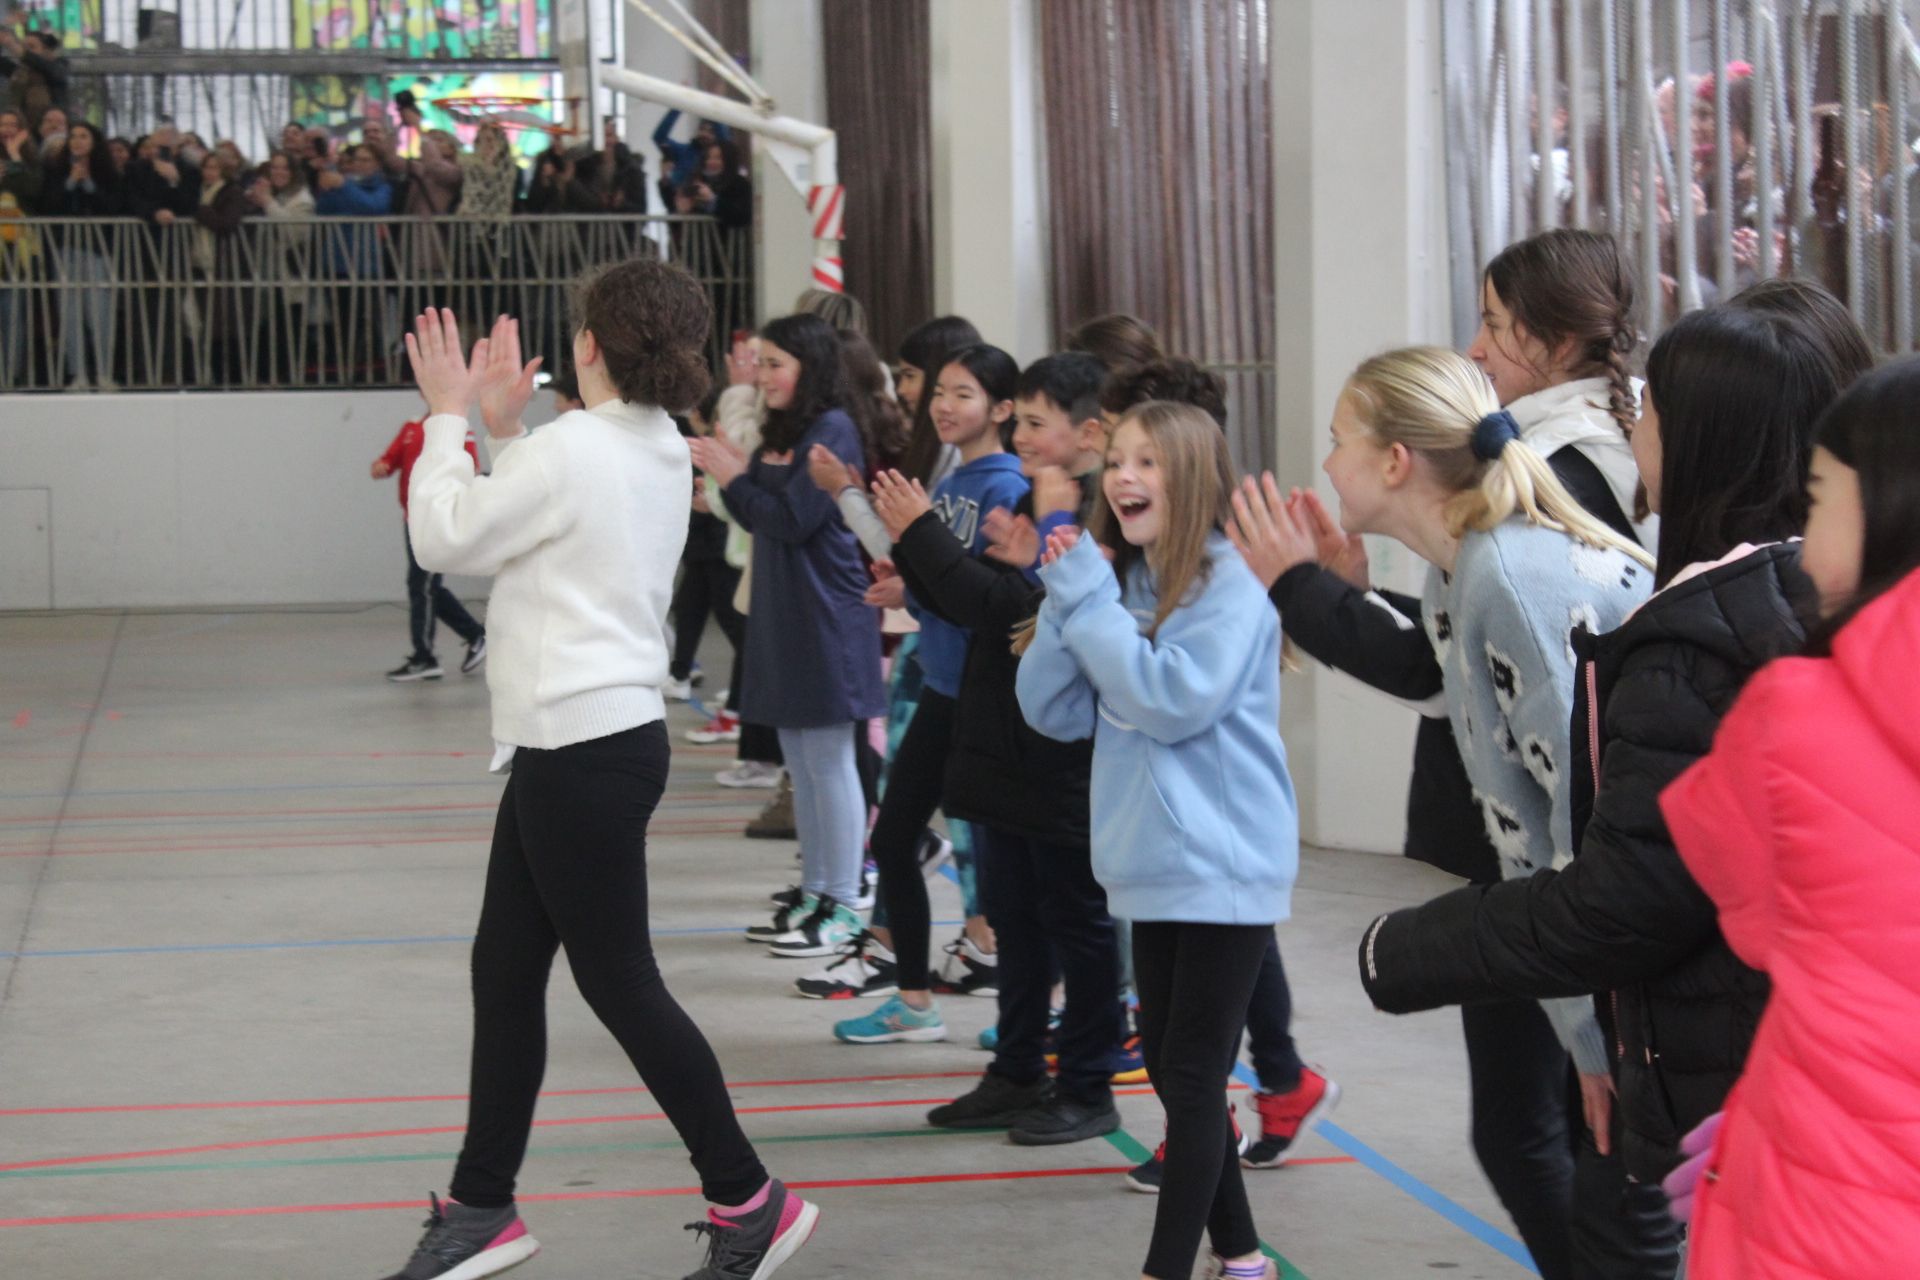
829,809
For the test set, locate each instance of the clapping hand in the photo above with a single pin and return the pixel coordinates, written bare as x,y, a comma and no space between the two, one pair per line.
505,384
898,502
1059,542
1054,492
1011,539
719,459
449,383
887,591
1266,533
1344,553
829,473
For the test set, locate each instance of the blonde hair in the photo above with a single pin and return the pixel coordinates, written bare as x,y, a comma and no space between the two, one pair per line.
1430,400
1198,498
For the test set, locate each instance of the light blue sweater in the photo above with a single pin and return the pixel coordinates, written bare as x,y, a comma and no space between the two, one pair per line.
1193,809
1501,625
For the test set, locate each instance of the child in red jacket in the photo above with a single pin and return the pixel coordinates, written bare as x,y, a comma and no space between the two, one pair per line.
428,599
1800,826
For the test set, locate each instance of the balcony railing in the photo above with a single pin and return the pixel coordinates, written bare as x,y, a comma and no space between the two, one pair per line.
288,303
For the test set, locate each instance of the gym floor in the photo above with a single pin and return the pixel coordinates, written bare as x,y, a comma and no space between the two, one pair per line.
238,874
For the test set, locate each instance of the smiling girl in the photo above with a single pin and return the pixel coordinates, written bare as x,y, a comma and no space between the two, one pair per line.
1170,659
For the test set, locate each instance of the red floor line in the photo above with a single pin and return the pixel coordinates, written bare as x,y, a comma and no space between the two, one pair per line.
275,1103
256,1144
838,1184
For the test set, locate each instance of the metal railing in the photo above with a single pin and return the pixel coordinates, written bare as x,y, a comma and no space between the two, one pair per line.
311,302
1721,141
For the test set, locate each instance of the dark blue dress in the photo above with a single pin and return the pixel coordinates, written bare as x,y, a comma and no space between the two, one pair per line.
813,649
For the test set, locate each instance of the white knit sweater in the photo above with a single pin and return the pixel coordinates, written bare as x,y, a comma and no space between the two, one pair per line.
581,526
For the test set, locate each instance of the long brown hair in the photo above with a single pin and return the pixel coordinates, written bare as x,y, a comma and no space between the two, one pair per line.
1565,286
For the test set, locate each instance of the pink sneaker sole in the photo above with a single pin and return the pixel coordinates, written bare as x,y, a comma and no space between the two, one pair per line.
790,1241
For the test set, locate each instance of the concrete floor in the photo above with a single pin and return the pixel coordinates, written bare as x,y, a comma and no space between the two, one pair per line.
237,874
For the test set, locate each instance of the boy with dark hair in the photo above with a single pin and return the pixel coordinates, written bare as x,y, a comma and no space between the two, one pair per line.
428,599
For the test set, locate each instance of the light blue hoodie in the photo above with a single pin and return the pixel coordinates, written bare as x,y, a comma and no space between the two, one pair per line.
1193,810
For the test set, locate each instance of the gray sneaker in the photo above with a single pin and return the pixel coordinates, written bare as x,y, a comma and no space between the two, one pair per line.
754,1245
463,1243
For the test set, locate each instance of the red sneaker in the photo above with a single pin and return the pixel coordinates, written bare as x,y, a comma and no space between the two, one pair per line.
1285,1118
724,727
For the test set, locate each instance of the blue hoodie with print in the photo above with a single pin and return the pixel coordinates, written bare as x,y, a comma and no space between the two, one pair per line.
962,501
1194,816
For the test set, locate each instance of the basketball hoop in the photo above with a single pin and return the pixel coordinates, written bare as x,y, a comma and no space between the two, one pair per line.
507,111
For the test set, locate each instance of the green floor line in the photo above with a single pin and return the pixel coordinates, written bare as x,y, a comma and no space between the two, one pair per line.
98,1170
1132,1148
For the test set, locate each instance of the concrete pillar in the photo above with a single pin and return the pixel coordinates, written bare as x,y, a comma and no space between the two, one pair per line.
789,61
1360,266
989,192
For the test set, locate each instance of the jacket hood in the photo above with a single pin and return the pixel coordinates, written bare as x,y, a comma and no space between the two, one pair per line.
1575,415
1738,612
1877,654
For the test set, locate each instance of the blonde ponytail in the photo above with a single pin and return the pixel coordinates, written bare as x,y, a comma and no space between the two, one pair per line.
1436,402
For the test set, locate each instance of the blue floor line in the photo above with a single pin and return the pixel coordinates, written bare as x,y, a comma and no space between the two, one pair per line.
323,944
1459,1215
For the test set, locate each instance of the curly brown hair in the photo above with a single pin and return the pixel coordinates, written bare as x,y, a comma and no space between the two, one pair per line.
1176,378
652,321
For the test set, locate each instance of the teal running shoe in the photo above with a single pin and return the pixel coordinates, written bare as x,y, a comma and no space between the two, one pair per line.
895,1022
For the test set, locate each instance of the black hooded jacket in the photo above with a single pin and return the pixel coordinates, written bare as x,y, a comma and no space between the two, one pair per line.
1625,918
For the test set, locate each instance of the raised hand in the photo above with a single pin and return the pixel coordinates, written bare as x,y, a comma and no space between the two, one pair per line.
1059,542
888,590
1344,553
1054,492
1265,532
506,386
1011,539
719,459
898,502
443,375
829,473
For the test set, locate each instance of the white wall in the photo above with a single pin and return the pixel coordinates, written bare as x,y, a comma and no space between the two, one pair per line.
1360,239
219,499
989,192
790,63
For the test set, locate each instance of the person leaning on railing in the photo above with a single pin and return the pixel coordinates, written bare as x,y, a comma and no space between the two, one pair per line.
163,184
281,196
362,191
80,181
20,181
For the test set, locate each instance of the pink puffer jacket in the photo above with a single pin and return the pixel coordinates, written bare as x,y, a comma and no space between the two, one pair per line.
1803,824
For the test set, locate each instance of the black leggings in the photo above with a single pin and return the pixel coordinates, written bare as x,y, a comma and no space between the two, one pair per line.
706,587
1575,1209
569,868
915,779
1195,982
1276,1062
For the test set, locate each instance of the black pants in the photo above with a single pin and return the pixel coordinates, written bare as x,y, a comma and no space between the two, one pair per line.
1195,982
1049,915
1575,1210
569,868
915,779
1270,1025
428,600
706,588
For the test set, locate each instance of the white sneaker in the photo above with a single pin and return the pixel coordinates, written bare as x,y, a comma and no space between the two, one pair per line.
749,773
676,690
869,891
824,933
967,970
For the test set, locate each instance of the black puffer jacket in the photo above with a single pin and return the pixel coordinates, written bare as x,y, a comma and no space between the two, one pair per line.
1000,771
1624,918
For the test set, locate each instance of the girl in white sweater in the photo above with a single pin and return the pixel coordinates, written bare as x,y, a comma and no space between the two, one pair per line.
581,527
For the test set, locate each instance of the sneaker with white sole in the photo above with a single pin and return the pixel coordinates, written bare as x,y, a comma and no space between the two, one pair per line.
414,669
749,773
869,888
752,1246
724,727
1285,1118
830,928
476,655
935,851
967,970
677,690
464,1243
865,969
895,1022
786,918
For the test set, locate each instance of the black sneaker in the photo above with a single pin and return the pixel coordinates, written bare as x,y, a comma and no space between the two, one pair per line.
416,669
1062,1119
1145,1177
787,897
476,654
995,1103
755,1245
464,1243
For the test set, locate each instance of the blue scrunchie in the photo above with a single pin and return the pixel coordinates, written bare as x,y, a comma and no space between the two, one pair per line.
1493,433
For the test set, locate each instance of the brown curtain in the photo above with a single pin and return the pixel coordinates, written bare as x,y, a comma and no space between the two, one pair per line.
1160,157
879,65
